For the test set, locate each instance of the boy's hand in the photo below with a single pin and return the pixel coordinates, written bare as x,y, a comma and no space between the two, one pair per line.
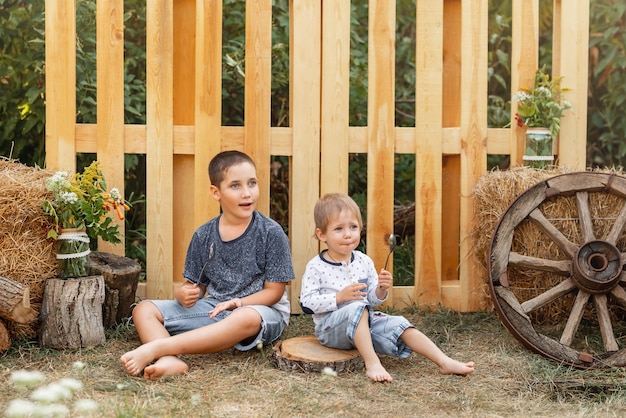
354,291
188,294
385,281
228,305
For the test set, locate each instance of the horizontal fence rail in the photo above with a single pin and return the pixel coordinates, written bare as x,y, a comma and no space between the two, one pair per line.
183,129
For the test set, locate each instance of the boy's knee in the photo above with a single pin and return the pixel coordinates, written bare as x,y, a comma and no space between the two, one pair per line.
248,318
145,309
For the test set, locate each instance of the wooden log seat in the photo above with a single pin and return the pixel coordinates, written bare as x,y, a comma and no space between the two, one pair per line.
306,354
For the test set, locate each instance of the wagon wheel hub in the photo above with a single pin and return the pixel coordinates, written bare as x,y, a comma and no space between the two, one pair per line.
597,266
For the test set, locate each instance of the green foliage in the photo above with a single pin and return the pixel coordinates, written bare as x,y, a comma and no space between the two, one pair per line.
606,126
499,108
22,108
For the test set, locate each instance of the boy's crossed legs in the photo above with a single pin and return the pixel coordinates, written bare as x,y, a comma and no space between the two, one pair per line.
161,348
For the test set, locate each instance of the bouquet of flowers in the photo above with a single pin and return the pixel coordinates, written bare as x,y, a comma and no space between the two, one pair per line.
80,208
543,105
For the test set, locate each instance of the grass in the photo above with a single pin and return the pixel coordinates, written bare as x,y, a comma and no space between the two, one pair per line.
509,380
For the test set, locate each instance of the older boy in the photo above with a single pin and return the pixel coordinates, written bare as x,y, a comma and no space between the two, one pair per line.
241,260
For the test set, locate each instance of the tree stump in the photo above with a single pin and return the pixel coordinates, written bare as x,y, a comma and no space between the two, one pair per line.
71,313
121,276
5,338
15,301
306,354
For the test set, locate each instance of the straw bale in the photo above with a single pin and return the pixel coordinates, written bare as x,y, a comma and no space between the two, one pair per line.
26,256
496,191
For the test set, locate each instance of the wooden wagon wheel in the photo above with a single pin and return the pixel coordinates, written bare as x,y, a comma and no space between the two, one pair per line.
574,269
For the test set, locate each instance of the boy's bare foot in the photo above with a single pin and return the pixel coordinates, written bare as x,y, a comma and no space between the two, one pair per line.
136,360
378,373
451,366
164,367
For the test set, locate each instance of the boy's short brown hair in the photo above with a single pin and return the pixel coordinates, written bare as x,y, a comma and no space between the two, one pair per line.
220,164
330,206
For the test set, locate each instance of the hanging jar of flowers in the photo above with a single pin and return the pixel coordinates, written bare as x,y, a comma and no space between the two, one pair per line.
540,109
79,206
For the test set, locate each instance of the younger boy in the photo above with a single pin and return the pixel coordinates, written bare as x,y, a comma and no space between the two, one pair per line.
340,286
241,259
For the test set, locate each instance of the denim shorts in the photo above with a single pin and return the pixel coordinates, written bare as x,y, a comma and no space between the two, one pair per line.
336,329
177,319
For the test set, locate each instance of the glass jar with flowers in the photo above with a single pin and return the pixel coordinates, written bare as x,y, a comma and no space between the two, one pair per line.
79,206
540,109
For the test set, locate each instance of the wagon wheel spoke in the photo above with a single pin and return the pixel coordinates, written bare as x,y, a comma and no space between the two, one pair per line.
584,216
574,318
557,236
548,296
604,320
561,267
619,295
618,227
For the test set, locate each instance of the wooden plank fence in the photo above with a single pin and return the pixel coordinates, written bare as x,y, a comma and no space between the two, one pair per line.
183,131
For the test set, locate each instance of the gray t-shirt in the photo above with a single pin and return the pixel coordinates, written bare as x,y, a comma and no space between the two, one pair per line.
240,267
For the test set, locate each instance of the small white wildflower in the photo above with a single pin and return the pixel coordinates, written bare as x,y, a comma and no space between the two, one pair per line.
52,410
543,91
329,372
120,386
72,385
68,197
520,96
52,393
115,194
20,408
259,345
196,398
58,182
26,378
85,405
78,365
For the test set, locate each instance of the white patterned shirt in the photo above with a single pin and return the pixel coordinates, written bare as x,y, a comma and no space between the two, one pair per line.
322,280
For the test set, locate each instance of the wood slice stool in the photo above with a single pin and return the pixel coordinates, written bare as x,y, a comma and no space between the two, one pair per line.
306,354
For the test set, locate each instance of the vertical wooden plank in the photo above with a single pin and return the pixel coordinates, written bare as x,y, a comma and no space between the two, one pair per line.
110,97
208,104
451,62
450,172
60,85
473,138
380,134
159,147
524,63
428,151
335,97
184,67
573,26
258,91
305,56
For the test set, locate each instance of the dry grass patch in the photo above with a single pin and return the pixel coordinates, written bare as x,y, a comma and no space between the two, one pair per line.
509,380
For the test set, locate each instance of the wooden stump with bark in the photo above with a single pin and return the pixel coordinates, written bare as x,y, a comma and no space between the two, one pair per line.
15,301
306,354
5,338
71,313
121,276
14,307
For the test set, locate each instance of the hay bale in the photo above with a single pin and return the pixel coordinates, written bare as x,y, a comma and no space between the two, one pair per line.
26,256
494,193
